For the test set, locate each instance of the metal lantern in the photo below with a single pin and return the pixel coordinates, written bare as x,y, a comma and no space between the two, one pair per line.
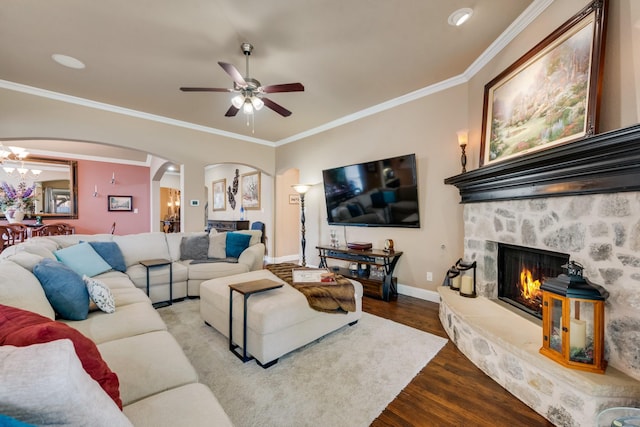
573,320
468,278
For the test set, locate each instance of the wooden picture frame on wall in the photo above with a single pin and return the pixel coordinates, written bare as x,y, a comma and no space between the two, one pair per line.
219,194
550,96
120,203
251,190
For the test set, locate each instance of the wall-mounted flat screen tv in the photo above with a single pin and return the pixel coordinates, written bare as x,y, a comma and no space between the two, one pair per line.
380,193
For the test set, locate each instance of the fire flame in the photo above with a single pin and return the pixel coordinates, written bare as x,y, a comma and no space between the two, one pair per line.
530,288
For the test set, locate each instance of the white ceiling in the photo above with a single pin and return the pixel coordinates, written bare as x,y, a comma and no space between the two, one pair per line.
350,55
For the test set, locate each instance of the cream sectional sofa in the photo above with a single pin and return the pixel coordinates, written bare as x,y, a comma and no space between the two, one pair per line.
157,383
187,275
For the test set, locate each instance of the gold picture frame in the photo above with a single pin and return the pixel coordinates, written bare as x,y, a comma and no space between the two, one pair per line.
251,190
550,96
219,194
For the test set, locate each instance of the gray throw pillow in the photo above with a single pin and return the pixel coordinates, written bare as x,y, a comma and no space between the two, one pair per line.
194,247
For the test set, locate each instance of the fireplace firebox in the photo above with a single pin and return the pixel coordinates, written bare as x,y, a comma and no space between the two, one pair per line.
521,271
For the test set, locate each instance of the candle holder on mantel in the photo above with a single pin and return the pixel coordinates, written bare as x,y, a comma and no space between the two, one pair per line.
467,278
573,320
452,279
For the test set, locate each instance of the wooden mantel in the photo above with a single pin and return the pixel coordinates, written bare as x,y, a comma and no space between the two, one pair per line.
604,163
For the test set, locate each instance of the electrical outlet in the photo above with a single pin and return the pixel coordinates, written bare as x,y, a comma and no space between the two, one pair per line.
429,276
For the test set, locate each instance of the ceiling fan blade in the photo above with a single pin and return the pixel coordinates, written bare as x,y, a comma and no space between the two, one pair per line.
234,73
276,107
287,87
232,111
205,89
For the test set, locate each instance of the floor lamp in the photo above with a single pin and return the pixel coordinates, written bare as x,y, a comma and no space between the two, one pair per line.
301,189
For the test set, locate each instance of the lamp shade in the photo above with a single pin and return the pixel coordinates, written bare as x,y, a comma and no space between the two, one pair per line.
257,103
301,188
463,137
237,101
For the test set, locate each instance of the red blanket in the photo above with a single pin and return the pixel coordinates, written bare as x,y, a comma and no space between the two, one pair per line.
336,297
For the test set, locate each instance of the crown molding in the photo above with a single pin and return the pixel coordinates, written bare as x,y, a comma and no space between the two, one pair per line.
44,93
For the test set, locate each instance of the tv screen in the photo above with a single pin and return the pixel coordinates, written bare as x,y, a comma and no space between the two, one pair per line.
381,193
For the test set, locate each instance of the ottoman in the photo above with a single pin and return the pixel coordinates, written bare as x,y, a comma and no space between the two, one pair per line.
278,321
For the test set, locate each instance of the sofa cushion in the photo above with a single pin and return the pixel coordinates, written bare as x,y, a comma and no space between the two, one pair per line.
22,328
236,243
161,364
217,245
111,253
138,247
26,259
64,396
132,319
100,294
82,259
64,289
198,407
194,247
19,288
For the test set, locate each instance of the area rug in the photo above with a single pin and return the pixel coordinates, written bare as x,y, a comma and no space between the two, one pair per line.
345,378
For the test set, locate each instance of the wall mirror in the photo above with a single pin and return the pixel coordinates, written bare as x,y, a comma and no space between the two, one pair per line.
55,181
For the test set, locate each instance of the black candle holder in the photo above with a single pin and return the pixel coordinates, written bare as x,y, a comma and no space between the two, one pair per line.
452,273
462,266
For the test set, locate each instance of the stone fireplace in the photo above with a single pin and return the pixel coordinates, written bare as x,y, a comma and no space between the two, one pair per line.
581,200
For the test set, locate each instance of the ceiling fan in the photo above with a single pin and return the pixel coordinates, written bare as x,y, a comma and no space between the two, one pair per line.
250,91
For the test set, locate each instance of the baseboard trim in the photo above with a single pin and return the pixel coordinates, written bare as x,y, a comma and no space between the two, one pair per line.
424,294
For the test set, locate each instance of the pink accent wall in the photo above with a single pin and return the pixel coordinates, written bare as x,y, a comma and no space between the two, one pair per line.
93,214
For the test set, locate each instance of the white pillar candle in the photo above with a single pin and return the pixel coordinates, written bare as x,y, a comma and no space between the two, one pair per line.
455,282
578,333
466,286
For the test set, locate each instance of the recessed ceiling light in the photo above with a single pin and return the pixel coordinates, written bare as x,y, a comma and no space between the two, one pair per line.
460,16
68,61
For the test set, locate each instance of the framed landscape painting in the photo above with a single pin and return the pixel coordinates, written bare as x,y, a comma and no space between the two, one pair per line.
120,203
550,96
251,190
219,194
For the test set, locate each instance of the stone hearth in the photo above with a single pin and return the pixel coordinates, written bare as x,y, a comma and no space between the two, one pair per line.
505,345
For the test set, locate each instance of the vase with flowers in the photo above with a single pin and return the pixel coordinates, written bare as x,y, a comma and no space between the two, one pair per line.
17,201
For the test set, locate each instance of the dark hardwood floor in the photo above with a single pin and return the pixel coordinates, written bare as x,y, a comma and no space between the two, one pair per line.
450,390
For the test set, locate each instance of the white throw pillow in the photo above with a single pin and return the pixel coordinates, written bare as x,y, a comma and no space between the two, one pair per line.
100,294
217,245
45,384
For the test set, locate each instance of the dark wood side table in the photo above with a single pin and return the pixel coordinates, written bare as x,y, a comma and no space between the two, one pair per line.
160,262
247,289
383,287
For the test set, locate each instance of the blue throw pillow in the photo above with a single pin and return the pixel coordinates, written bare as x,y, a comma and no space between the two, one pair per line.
236,243
6,421
111,253
64,289
82,259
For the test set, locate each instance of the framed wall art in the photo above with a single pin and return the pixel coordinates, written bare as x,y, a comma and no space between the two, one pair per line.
251,190
550,96
219,194
120,203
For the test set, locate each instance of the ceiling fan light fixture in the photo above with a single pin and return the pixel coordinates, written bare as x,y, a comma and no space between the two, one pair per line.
257,103
460,16
237,101
247,108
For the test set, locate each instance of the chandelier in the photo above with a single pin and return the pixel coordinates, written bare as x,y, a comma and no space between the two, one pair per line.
12,161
